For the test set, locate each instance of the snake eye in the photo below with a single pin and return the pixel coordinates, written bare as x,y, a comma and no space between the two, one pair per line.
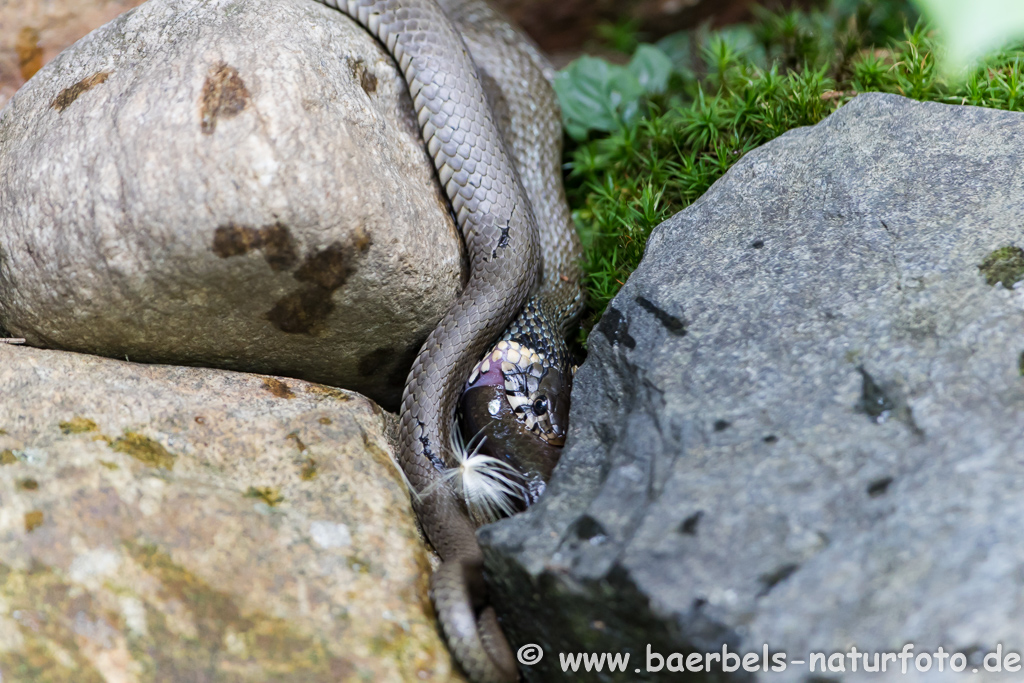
540,406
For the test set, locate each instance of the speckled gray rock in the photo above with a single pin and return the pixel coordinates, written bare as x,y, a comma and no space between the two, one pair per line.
801,422
177,525
228,184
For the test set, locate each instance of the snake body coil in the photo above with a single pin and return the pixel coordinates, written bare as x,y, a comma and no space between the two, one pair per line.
492,127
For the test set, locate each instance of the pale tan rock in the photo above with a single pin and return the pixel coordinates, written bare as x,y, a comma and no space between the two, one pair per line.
239,185
177,524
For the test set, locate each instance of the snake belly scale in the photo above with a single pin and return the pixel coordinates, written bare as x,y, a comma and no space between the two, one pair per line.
492,126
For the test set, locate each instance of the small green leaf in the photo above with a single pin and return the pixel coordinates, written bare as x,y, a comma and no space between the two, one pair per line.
582,92
678,48
575,129
652,68
624,92
596,95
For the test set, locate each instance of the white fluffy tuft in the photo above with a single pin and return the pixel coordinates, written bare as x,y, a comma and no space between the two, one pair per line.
492,488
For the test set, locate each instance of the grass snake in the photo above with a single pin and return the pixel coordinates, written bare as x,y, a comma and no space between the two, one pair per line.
490,121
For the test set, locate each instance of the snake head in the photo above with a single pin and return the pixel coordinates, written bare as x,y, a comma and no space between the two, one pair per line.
536,393
514,409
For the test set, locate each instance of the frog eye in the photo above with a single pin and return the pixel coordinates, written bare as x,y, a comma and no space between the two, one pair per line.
540,406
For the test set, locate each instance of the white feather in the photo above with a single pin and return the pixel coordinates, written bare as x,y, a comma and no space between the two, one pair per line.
491,488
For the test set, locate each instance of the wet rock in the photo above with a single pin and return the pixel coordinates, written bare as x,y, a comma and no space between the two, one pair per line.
175,524
175,191
801,422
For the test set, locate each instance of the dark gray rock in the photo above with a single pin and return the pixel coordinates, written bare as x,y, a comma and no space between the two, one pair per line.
801,422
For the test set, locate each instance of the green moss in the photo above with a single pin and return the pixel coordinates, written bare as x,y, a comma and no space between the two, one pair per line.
1004,265
328,392
309,470
394,644
78,425
36,661
268,494
109,465
379,455
28,484
358,564
733,90
49,651
33,520
7,457
145,450
277,387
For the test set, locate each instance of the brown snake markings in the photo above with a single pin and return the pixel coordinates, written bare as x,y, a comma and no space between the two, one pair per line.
481,149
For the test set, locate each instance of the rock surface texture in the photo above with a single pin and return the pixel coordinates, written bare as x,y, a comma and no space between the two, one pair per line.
801,422
225,184
178,524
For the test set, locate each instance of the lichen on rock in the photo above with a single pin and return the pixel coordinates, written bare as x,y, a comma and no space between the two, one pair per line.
162,523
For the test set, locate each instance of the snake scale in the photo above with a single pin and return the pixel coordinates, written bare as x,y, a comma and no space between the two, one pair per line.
492,126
